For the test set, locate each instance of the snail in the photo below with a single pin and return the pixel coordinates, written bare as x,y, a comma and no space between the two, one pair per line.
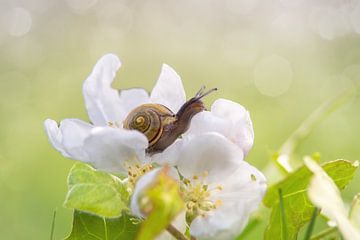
160,125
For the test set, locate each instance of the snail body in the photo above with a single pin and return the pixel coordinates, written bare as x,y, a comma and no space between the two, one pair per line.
160,125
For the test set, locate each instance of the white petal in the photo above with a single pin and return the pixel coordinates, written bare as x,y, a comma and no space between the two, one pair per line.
241,194
211,153
169,90
229,119
55,136
130,99
217,225
355,211
110,148
68,138
324,194
170,155
101,100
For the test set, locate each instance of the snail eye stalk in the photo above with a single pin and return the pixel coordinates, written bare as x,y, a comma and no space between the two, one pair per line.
200,94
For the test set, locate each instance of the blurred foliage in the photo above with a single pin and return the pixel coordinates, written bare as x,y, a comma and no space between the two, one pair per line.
163,204
42,70
297,206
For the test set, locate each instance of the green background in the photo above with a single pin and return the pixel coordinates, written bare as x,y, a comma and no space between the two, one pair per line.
279,69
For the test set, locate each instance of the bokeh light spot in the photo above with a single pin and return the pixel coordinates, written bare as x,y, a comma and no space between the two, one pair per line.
273,75
18,21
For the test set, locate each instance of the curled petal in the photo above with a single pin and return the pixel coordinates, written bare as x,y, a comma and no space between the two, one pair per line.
209,153
229,119
101,100
68,137
169,90
110,149
240,194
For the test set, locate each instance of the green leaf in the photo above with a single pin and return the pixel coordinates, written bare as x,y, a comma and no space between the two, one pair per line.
298,207
163,204
87,226
96,192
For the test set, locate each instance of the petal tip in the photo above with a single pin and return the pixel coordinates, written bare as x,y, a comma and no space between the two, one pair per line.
111,58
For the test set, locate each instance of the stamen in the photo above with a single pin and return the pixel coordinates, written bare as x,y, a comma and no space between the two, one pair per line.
218,203
253,177
197,196
136,171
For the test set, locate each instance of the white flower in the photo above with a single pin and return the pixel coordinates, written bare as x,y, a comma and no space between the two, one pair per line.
220,189
100,144
324,194
227,118
106,145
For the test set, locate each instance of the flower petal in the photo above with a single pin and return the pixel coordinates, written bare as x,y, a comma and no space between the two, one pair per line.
130,99
227,118
209,153
241,194
109,149
68,137
324,194
170,155
169,90
101,100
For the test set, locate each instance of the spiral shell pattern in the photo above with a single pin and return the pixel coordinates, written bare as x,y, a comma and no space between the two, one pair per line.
148,119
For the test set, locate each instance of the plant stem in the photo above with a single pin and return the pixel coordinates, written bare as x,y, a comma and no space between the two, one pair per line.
311,224
176,233
53,225
283,216
324,233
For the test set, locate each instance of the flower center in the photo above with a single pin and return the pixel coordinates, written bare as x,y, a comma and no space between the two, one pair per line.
197,197
137,171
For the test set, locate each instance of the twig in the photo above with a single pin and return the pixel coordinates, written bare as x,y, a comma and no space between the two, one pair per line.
176,233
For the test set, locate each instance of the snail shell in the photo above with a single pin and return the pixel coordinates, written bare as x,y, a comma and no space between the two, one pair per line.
150,119
160,125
